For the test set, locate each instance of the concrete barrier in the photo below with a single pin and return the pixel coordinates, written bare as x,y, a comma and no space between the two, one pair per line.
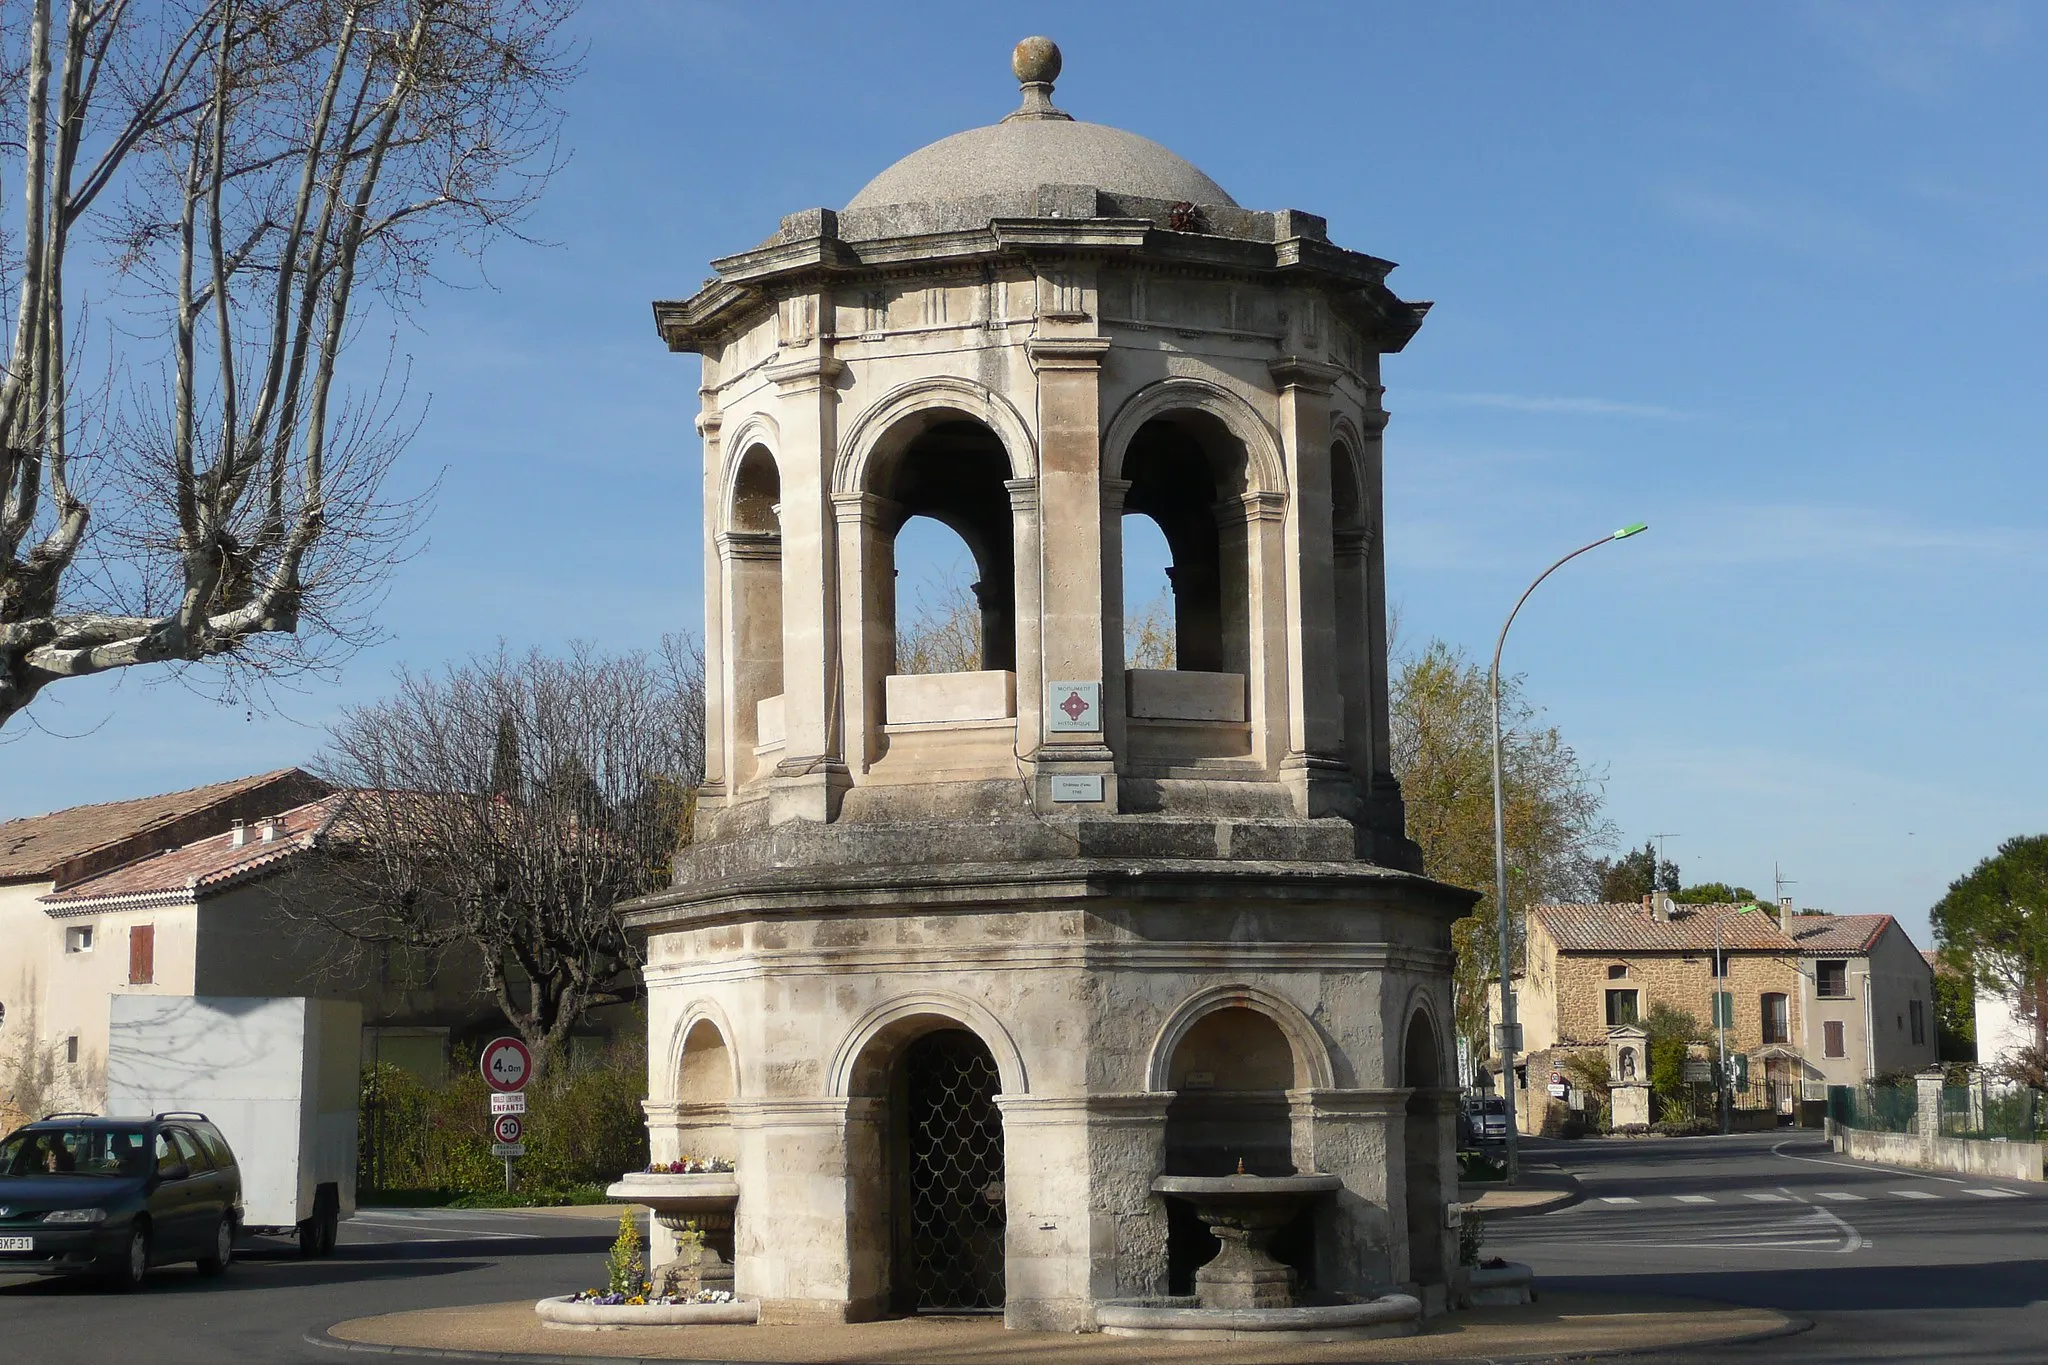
1965,1156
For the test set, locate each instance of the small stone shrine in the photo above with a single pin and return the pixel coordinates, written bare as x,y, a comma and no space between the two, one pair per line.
958,966
1628,1078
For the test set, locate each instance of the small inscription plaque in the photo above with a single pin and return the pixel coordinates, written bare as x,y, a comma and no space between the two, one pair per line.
1088,788
1073,707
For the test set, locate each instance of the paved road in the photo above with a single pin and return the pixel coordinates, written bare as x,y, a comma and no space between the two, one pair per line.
387,1260
1890,1265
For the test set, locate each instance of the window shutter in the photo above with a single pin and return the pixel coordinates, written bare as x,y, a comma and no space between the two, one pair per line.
141,954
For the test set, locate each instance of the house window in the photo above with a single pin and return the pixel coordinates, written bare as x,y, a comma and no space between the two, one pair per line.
1621,1008
1777,1023
1831,1044
141,954
1721,962
1617,972
78,938
71,1050
1831,980
1918,1014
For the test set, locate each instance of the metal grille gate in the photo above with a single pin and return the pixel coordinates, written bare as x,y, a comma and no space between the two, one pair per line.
955,1252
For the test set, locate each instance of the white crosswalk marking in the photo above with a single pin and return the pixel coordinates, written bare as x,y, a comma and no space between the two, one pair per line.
1694,1198
1618,1199
1840,1196
1994,1194
1763,1198
1914,1194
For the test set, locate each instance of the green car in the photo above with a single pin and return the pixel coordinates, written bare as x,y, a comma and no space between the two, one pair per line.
110,1196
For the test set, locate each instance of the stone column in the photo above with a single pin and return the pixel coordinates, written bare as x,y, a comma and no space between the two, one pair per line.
1383,790
1313,768
1083,1223
1114,697
1070,553
1927,1084
867,620
750,565
1358,1135
717,745
1262,530
812,774
1024,560
811,1241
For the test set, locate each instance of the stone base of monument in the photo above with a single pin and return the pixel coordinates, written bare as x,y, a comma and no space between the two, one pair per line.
597,1317
1179,1319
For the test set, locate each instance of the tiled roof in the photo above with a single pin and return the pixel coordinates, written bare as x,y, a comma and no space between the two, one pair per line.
1631,927
66,845
207,865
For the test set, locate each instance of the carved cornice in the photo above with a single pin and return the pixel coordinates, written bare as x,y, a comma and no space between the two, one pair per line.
805,373
1066,353
1023,494
870,508
1300,372
758,546
1114,491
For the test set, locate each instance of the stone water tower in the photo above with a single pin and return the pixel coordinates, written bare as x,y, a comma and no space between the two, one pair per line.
957,964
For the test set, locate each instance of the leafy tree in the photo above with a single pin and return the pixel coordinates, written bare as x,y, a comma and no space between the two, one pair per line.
1955,1013
1634,875
1442,752
208,190
1149,634
1672,1033
1716,893
1993,925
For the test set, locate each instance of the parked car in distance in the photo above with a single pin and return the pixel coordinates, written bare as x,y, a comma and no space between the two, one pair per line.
1487,1115
86,1195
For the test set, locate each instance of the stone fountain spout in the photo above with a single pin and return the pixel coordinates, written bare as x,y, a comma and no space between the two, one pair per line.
1243,1212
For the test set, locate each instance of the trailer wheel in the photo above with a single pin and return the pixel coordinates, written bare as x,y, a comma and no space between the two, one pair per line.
309,1236
318,1234
330,1227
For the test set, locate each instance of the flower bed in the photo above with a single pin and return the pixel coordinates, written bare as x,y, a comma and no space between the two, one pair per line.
691,1165
612,1298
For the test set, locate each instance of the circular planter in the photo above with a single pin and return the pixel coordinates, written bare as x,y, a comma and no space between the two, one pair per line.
597,1317
1502,1287
1393,1315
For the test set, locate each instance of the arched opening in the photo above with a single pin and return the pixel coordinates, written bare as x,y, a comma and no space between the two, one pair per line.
939,625
705,1075
1149,639
929,1197
1230,1076
1351,562
943,470
753,551
1424,1149
1187,475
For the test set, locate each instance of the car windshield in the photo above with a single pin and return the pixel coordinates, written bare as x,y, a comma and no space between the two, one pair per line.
75,1151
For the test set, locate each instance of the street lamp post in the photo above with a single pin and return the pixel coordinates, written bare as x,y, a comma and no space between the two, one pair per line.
1509,1040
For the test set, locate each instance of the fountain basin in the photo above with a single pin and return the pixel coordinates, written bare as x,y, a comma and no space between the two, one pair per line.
698,1209
595,1317
1243,1212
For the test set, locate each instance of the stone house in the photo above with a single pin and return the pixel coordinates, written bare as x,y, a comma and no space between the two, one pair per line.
182,894
1811,1000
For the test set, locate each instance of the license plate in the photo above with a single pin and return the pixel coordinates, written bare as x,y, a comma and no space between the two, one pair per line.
17,1244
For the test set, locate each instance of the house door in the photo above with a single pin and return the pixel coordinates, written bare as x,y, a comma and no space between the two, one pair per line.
950,1253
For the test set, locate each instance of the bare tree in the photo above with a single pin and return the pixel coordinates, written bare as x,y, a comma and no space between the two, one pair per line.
245,168
944,634
506,806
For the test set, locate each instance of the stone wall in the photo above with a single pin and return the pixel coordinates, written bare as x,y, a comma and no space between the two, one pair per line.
2000,1160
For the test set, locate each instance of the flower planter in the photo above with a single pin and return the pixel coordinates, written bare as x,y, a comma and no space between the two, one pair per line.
698,1209
564,1312
1501,1286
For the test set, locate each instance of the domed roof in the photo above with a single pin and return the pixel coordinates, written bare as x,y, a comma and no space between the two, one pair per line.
1039,145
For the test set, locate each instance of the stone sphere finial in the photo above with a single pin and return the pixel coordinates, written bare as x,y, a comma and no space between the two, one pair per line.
1036,61
1037,64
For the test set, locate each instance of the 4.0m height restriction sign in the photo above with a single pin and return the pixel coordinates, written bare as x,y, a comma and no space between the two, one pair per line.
506,1064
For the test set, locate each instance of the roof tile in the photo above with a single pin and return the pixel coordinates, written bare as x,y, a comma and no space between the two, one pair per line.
1632,927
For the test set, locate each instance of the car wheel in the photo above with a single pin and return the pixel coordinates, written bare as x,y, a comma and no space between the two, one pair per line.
133,1267
223,1254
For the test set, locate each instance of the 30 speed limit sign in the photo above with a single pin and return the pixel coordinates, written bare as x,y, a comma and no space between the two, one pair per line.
506,1064
507,1127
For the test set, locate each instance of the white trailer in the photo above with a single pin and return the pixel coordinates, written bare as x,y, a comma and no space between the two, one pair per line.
280,1077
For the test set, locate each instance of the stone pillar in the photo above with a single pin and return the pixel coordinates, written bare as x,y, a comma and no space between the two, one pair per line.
1024,559
867,620
1083,1223
750,564
1262,532
1070,549
717,747
1313,768
812,774
1927,1084
1114,697
1386,815
1357,1135
812,1240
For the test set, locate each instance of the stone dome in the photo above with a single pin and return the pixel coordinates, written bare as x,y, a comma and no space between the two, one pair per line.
1039,145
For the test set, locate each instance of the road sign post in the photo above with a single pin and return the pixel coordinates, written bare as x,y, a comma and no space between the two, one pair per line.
506,1064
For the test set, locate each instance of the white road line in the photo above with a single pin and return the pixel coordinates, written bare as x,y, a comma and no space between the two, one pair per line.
1694,1198
1994,1194
478,1234
1913,1194
1840,1196
1763,1198
1865,1166
1618,1199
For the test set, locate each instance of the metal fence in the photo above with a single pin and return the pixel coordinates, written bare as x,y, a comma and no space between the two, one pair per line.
1983,1110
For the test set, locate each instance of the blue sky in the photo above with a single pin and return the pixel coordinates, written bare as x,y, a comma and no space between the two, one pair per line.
1767,276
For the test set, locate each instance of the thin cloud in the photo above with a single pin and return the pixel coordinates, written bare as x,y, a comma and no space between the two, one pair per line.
1547,403
1786,532
1802,227
1917,48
